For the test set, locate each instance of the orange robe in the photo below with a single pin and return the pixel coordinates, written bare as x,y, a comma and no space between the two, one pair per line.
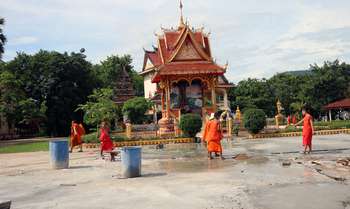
307,130
212,135
75,136
106,142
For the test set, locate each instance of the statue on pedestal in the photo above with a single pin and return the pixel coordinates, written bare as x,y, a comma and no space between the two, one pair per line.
238,114
279,116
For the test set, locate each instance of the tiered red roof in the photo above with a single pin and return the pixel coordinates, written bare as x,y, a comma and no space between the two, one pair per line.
163,58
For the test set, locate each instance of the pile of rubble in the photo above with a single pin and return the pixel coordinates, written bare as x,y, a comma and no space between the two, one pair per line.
344,161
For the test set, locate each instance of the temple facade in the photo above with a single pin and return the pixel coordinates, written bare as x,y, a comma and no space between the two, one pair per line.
181,72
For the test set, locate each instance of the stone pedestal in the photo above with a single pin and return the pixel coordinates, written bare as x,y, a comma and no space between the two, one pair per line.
278,120
166,126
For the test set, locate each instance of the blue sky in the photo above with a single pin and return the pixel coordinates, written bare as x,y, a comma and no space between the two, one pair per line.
258,38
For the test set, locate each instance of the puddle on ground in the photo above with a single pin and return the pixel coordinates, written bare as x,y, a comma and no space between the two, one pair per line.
193,157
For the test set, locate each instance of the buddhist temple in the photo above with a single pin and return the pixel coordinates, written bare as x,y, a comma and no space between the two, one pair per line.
181,73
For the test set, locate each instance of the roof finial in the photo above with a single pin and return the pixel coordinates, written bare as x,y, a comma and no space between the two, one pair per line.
182,24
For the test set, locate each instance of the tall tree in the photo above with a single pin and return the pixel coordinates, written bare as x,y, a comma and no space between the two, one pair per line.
286,88
328,83
2,37
11,96
60,81
254,93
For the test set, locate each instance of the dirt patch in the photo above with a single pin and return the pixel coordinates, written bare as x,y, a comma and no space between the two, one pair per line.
241,157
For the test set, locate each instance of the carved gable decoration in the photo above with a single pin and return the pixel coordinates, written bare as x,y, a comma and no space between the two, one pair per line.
148,64
187,52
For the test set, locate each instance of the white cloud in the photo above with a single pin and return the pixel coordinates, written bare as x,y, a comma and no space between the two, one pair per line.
258,38
23,40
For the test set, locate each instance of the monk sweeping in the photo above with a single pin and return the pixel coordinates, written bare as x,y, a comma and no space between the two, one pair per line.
213,135
308,130
106,142
76,133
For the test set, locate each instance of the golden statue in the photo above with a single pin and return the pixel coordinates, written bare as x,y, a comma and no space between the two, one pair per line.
238,114
279,116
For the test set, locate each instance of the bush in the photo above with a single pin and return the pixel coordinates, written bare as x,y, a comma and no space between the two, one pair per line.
136,108
91,138
190,124
254,120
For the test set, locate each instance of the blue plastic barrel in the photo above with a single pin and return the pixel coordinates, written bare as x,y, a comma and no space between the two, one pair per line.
131,162
59,153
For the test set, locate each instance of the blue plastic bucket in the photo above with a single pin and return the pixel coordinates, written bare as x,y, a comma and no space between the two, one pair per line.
59,153
131,162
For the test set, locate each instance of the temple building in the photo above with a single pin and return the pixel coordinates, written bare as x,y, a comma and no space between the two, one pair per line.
181,72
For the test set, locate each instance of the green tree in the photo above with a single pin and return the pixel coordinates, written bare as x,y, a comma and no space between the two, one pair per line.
60,81
286,88
100,107
254,93
2,37
136,108
328,83
10,97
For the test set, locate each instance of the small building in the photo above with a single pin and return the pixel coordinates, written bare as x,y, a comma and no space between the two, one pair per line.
342,107
182,74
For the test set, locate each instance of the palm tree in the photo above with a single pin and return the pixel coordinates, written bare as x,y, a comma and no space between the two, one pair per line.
2,37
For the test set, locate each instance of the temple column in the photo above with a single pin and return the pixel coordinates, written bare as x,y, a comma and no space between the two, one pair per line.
330,115
213,97
167,89
163,102
226,100
155,119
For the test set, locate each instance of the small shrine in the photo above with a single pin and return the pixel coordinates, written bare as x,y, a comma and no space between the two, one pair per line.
181,73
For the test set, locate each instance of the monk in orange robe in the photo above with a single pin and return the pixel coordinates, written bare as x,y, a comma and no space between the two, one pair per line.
75,136
106,142
213,135
308,130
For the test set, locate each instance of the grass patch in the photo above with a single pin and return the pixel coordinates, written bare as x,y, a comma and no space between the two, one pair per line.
334,124
30,147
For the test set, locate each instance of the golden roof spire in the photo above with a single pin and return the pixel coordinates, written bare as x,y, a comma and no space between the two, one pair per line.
182,24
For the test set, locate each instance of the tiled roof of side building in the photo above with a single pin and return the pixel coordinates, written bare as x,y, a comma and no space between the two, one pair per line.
344,103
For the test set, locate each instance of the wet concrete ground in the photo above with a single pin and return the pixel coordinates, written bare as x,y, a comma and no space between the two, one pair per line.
180,176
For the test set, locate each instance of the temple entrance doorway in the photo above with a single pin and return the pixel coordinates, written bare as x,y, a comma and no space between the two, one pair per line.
187,96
